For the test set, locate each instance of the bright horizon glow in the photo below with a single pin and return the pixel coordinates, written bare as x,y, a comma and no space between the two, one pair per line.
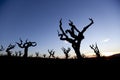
105,54
108,53
38,20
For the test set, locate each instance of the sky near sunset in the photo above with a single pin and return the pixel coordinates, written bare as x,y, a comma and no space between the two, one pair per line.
38,20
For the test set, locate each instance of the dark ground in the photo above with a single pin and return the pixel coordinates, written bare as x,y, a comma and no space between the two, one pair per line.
35,60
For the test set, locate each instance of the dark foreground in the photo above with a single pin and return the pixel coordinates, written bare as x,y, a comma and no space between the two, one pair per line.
20,60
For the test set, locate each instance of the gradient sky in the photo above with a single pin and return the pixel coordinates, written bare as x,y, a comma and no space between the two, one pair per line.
38,20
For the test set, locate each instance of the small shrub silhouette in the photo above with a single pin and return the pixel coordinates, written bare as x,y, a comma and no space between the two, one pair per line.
52,53
96,50
66,51
74,39
20,53
16,53
1,49
26,45
44,55
9,48
37,54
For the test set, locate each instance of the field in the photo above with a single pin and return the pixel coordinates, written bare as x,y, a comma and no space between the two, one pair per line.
115,59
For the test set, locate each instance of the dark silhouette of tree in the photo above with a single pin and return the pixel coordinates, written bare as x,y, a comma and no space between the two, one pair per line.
74,39
9,48
26,45
96,50
66,51
1,48
52,53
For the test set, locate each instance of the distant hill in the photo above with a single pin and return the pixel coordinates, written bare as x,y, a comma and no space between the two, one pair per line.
117,55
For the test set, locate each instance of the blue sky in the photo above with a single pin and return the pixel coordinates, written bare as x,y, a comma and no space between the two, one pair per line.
38,20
